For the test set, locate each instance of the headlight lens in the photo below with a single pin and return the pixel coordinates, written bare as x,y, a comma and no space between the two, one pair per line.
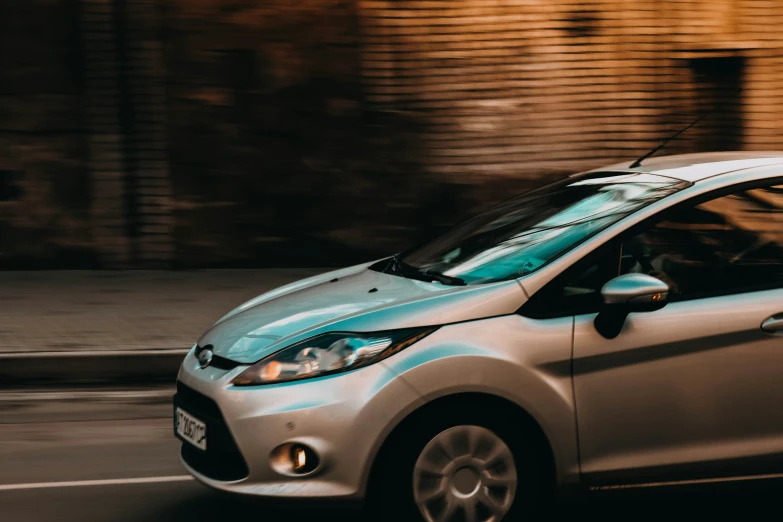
327,354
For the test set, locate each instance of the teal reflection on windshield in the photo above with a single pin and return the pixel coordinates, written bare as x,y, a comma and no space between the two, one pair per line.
520,236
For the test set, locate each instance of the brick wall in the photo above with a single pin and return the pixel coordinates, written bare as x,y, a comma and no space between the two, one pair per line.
195,133
106,136
273,158
83,172
527,87
44,175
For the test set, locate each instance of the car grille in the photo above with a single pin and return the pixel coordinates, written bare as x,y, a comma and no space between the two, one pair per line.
222,459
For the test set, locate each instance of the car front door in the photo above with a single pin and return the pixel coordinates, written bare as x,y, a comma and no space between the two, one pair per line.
694,390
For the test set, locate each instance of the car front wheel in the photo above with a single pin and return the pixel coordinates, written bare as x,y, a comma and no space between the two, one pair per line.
465,472
470,468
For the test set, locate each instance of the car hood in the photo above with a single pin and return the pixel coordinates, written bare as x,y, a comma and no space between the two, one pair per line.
353,299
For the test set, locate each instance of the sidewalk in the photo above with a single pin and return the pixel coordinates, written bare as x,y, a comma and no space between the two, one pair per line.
117,311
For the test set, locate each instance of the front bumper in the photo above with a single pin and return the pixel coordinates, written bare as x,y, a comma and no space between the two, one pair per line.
222,459
344,418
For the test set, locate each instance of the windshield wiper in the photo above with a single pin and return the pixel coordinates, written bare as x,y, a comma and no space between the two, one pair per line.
396,266
443,278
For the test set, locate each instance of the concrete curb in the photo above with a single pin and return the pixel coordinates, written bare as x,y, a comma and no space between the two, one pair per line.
93,368
91,394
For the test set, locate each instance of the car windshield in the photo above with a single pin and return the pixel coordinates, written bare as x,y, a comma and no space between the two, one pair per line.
521,235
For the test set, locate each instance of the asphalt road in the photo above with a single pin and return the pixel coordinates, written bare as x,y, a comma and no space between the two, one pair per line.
74,457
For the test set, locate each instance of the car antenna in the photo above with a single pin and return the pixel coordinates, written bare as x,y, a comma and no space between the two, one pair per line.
638,162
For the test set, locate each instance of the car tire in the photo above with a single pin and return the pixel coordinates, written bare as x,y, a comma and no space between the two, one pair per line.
398,480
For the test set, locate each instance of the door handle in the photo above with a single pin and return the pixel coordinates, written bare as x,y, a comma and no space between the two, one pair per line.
774,324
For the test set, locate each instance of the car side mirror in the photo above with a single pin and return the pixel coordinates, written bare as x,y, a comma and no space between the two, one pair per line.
625,294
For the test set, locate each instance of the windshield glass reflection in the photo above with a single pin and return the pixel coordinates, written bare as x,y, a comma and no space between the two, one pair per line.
524,234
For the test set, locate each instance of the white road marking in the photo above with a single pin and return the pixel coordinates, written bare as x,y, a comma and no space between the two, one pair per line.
85,483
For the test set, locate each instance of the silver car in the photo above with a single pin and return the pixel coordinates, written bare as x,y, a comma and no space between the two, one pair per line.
623,326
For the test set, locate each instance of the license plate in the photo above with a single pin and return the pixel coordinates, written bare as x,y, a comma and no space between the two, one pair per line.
190,428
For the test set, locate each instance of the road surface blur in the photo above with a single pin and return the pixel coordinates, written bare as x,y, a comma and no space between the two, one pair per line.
109,455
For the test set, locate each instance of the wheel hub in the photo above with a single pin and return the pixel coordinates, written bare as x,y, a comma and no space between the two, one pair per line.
465,482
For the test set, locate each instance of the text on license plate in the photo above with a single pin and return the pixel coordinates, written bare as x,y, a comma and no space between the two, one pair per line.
191,429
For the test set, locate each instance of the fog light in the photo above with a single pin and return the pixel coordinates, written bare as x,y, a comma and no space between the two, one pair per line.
299,457
303,459
294,459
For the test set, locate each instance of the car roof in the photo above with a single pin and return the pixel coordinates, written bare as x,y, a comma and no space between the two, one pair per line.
697,167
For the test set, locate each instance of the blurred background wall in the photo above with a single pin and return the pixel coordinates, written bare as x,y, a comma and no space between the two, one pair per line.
233,133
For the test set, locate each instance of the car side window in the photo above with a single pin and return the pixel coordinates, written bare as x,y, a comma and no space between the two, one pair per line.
727,245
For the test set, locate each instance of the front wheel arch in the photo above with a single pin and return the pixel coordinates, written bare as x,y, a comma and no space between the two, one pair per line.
505,411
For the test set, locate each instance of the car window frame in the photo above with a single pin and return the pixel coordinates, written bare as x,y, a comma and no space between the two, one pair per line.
534,309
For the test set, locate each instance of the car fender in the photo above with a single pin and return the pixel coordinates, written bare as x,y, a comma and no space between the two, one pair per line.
524,361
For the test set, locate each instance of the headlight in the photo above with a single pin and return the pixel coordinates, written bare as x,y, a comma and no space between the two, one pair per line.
329,353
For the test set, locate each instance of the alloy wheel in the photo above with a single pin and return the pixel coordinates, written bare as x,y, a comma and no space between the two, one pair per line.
465,473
